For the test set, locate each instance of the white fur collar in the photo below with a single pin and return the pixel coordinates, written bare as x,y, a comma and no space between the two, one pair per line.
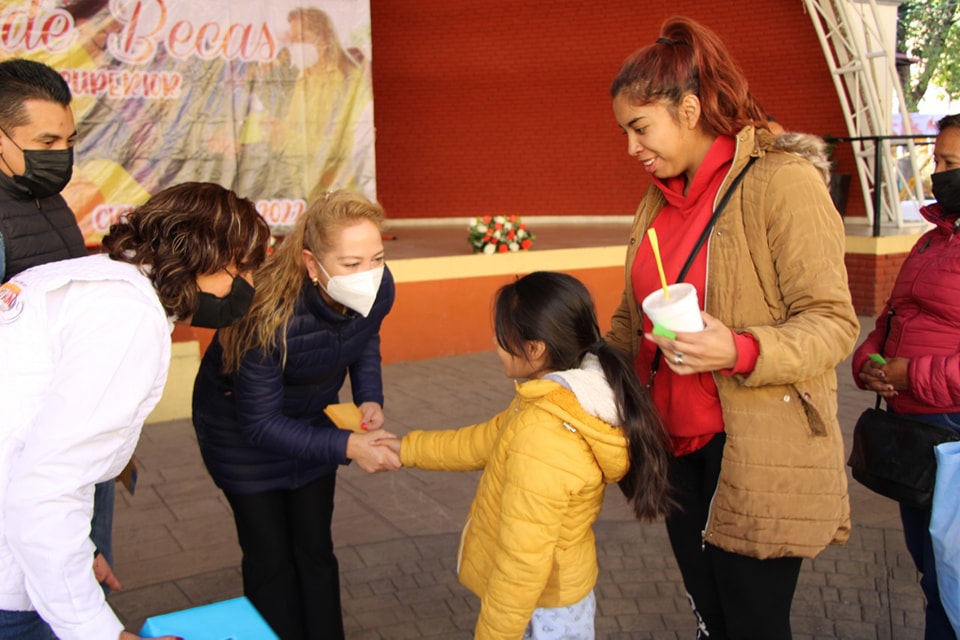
590,386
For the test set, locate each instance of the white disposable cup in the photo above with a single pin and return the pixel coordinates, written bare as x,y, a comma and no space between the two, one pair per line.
680,313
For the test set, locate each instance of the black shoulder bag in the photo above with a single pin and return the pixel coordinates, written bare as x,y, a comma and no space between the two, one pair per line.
655,364
894,456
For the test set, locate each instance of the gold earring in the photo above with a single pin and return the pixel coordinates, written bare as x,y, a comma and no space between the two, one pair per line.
316,281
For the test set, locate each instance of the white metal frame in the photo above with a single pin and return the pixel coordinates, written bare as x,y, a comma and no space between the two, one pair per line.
862,61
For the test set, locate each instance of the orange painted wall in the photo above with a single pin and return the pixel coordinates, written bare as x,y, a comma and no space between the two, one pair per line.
503,107
441,318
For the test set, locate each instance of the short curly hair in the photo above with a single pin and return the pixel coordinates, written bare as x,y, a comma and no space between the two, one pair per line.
188,230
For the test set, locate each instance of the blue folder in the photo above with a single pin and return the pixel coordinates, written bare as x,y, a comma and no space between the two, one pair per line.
234,619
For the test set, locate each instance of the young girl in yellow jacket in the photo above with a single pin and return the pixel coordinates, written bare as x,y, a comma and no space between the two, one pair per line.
580,420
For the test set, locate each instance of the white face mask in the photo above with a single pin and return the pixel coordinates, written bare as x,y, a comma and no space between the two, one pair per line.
357,291
303,55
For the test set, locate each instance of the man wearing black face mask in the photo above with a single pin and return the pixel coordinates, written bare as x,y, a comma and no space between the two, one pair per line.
37,134
921,376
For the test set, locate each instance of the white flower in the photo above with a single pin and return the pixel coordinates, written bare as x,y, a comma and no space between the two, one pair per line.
513,246
490,248
496,234
500,219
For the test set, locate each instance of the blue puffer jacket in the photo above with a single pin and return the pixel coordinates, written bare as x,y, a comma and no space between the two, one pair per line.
263,428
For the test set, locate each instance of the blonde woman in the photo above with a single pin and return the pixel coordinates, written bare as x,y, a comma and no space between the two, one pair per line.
259,399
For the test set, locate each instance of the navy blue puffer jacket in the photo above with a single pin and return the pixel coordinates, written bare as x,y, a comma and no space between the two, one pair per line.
263,428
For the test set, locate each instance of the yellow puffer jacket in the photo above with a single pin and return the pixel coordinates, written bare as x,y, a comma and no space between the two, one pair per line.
528,541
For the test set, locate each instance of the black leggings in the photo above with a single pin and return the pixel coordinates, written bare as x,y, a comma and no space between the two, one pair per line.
290,573
735,597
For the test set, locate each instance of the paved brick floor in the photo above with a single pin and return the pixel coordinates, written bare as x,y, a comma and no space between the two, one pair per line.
396,536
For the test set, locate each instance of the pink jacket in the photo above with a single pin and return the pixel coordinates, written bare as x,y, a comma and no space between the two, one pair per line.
925,325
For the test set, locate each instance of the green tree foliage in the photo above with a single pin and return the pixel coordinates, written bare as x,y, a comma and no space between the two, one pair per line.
928,30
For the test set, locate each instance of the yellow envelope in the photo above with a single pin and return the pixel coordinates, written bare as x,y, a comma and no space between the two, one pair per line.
345,415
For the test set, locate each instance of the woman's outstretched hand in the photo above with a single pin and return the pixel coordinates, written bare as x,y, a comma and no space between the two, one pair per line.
363,448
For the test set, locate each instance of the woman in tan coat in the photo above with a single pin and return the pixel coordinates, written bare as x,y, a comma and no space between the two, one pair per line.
750,401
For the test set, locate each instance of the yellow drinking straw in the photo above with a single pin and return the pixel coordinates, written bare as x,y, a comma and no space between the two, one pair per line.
652,236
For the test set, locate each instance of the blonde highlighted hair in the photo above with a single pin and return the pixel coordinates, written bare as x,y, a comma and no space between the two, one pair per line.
282,277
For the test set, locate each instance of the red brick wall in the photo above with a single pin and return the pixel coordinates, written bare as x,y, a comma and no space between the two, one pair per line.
502,107
871,280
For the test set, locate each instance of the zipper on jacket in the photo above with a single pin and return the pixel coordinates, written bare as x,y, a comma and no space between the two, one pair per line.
716,200
706,525
463,536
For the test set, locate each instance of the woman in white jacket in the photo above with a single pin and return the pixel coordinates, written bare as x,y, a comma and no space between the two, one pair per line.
86,347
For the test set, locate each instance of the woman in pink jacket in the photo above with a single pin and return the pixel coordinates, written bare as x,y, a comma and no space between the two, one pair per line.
922,376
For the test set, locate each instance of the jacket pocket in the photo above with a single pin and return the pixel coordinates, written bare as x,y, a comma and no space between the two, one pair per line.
815,421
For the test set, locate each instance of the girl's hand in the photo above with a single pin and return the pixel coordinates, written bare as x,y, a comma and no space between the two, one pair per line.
362,448
709,350
391,443
372,415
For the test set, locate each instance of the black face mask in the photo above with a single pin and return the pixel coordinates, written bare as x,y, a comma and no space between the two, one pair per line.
45,171
946,189
216,313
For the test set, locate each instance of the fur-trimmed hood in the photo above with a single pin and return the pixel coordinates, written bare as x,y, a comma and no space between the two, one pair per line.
805,145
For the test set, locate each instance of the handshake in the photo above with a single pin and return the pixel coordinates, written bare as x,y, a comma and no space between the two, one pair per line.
372,448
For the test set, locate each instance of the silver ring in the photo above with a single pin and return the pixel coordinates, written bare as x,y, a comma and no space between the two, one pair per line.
677,358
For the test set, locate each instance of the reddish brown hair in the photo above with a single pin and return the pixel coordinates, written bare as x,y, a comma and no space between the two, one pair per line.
688,58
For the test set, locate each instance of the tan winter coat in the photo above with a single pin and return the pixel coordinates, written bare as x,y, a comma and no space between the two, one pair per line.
776,271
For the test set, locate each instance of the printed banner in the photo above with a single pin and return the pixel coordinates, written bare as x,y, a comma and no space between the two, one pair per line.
271,99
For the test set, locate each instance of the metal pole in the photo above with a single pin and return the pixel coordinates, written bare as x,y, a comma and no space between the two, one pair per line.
877,177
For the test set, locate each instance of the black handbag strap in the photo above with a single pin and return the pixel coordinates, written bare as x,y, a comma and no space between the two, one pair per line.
886,334
658,356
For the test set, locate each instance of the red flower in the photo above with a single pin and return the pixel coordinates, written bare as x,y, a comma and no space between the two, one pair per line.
503,248
526,244
513,218
487,219
498,226
510,235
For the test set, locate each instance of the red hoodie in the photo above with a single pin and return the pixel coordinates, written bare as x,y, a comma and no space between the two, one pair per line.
689,404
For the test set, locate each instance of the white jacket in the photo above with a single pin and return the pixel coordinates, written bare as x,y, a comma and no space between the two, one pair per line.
86,349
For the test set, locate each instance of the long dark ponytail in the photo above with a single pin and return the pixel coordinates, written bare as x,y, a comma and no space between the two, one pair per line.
557,309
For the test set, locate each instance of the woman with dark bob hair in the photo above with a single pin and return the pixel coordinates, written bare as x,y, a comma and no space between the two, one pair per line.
86,346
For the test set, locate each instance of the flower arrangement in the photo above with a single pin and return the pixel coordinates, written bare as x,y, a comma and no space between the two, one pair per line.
499,234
